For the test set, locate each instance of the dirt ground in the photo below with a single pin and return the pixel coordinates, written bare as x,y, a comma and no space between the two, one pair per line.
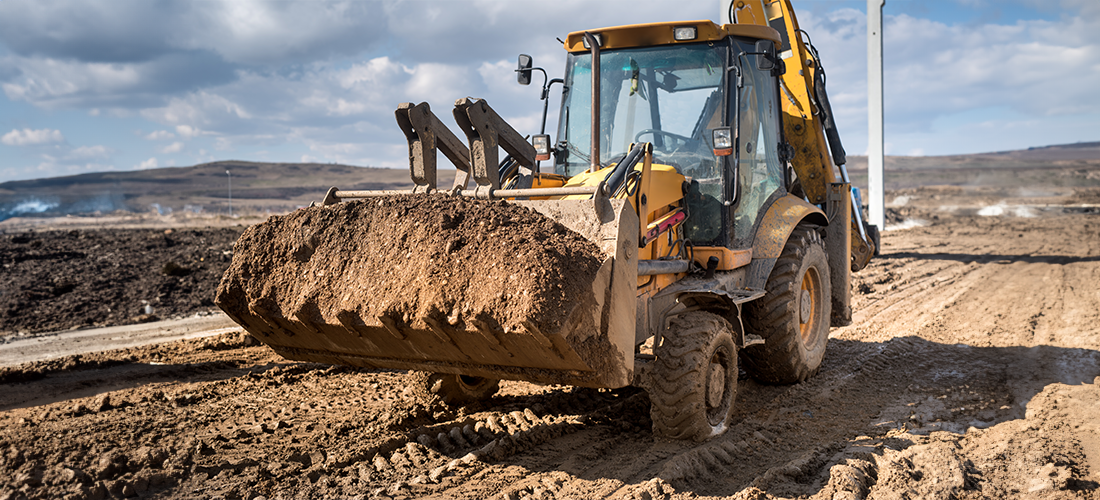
60,279
971,370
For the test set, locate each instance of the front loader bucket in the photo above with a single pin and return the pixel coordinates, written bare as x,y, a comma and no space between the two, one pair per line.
446,284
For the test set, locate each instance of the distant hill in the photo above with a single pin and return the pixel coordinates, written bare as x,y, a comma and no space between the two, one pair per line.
256,187
1063,166
281,187
1083,152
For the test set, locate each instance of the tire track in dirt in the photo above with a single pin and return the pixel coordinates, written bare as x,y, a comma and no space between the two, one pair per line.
440,459
915,303
760,448
649,466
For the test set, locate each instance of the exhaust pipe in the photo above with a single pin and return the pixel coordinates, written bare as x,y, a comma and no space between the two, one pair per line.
594,157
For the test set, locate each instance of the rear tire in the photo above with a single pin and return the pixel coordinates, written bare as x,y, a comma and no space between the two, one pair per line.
459,390
694,378
793,317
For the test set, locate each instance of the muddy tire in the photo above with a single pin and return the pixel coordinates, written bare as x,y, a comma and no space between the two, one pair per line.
458,390
694,379
793,317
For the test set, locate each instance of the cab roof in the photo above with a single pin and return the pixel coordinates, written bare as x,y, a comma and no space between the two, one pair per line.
645,35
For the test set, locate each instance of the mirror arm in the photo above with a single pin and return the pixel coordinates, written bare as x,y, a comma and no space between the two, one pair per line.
737,69
546,87
546,100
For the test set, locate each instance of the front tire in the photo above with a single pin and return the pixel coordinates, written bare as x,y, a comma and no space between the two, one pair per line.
694,381
458,390
793,316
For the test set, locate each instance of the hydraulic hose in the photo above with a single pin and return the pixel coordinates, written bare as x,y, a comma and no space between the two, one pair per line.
615,179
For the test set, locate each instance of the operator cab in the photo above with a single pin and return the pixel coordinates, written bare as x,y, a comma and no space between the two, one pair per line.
678,86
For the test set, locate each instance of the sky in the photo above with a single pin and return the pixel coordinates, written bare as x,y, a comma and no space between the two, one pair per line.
101,85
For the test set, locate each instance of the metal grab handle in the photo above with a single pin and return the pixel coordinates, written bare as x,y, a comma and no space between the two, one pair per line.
426,133
486,130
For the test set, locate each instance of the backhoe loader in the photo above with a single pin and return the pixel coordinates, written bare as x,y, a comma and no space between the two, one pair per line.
698,161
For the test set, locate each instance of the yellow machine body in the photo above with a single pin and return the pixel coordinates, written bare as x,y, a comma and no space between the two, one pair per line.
639,234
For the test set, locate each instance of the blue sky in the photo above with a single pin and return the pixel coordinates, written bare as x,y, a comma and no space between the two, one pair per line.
99,85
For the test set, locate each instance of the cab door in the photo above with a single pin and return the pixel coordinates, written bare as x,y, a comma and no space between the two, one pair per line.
760,174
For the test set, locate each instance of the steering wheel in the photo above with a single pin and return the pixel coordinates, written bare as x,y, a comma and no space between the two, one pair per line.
671,146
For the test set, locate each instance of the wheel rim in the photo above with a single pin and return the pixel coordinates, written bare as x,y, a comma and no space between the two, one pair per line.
718,393
809,306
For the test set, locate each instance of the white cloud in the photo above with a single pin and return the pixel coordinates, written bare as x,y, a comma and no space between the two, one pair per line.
62,83
237,30
258,31
147,164
324,77
160,135
175,147
939,76
185,131
432,81
85,152
54,156
377,71
28,137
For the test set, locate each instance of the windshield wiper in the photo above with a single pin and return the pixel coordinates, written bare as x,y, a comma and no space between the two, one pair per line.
580,154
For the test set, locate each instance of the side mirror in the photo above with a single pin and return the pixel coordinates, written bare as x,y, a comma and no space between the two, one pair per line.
765,59
523,72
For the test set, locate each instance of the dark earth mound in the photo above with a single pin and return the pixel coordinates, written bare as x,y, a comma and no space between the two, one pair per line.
55,280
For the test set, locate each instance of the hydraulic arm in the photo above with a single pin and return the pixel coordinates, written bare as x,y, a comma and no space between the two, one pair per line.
808,122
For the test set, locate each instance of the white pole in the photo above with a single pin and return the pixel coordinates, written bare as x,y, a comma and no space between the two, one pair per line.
876,196
230,177
724,11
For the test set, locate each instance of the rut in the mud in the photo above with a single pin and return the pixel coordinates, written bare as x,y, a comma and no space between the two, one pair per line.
407,259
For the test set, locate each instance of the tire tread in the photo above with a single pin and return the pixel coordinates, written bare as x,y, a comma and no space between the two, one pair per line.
774,317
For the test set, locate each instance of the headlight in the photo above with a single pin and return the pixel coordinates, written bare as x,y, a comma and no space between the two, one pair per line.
684,33
723,141
541,143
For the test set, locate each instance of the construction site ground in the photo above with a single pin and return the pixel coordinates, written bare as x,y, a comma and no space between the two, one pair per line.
971,370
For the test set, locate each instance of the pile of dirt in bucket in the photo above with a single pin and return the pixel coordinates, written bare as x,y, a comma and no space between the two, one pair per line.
407,258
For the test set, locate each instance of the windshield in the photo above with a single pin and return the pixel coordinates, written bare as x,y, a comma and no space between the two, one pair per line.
671,96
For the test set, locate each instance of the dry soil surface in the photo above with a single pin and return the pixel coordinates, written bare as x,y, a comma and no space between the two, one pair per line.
971,370
60,279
